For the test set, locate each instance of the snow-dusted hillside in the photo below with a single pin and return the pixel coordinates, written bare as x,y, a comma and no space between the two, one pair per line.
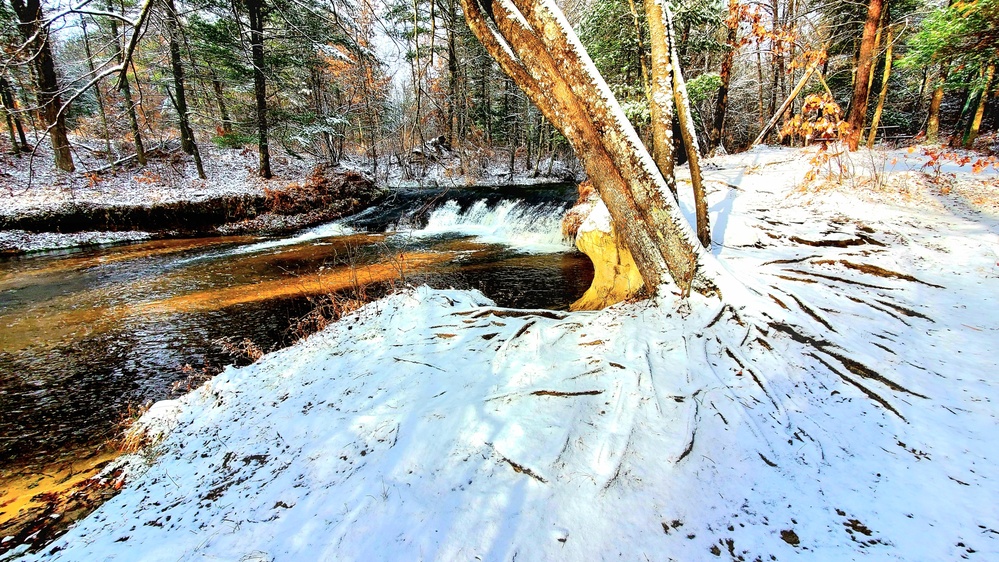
838,404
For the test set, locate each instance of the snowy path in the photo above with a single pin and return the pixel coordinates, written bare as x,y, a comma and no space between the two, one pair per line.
843,407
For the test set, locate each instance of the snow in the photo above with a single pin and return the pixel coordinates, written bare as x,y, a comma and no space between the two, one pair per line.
23,241
34,186
432,425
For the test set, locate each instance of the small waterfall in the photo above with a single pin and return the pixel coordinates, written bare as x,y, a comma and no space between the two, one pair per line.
535,228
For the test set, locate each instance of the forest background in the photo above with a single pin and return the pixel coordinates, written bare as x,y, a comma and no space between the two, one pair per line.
399,83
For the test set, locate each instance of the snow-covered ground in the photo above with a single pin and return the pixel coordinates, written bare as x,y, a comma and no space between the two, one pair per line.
838,404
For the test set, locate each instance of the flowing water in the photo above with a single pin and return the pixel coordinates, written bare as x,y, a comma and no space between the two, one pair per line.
85,335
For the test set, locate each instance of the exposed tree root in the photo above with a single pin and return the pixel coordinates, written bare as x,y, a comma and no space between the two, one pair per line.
798,279
752,374
908,312
784,262
884,347
768,461
870,393
835,278
523,329
815,315
878,308
693,435
566,394
507,313
859,241
878,271
867,373
519,468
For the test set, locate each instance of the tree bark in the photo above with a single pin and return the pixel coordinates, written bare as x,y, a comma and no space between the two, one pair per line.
220,102
97,89
976,122
661,104
537,48
254,9
933,121
861,91
187,142
688,133
884,91
13,121
725,73
126,92
787,102
36,37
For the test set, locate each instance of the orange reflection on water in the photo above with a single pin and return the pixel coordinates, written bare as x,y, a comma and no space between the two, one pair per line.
396,268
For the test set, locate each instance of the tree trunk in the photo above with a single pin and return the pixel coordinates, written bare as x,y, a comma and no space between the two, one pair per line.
126,92
721,100
97,88
933,121
883,94
13,121
688,133
254,9
976,122
661,93
858,103
187,142
220,101
29,14
537,48
787,102
452,72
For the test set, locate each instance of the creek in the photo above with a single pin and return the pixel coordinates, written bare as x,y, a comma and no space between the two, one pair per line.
88,335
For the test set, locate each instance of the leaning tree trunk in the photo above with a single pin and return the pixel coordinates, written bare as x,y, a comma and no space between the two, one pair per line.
36,38
689,133
254,9
535,45
861,89
187,142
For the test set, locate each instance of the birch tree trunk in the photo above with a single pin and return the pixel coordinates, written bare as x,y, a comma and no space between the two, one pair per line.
535,45
861,89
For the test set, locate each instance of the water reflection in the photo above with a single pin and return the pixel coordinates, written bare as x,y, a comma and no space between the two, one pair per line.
83,335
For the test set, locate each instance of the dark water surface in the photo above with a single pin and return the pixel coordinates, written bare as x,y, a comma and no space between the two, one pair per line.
86,334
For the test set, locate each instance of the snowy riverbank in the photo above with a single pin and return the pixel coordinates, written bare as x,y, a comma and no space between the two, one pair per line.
47,210
839,404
